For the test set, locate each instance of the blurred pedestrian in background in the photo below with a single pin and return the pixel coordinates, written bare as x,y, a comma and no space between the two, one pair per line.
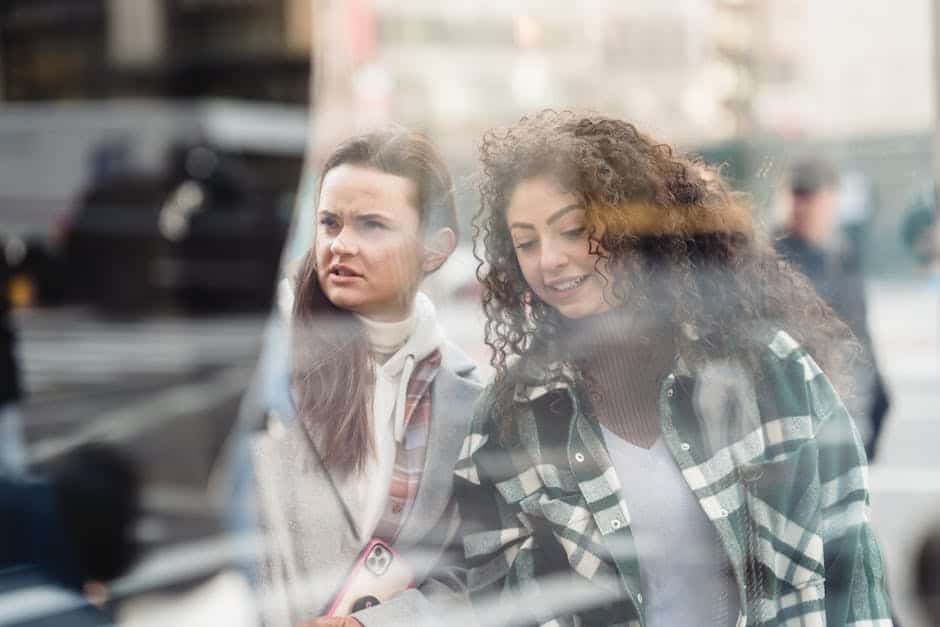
660,433
921,233
65,531
927,575
12,445
381,401
809,240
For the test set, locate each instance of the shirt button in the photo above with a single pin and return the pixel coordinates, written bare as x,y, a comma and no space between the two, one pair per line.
670,393
615,523
685,446
723,513
579,457
396,508
639,597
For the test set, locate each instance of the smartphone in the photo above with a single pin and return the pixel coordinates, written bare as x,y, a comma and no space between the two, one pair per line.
379,574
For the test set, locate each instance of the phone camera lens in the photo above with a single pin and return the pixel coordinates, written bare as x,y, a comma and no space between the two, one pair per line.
365,602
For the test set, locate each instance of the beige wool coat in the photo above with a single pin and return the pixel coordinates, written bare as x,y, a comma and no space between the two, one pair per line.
311,539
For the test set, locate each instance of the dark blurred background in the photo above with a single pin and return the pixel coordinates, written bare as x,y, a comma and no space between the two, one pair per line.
150,155
144,145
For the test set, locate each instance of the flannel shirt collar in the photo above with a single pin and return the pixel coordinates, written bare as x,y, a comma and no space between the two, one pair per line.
539,380
541,376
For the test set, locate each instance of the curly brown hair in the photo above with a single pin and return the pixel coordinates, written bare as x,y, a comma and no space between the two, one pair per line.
674,240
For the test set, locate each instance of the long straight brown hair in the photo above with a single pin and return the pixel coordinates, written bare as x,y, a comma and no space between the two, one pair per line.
332,380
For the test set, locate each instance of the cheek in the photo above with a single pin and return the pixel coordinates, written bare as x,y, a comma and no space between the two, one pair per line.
580,253
321,248
529,271
401,260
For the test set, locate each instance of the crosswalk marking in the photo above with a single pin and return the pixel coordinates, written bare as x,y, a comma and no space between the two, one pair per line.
56,350
149,415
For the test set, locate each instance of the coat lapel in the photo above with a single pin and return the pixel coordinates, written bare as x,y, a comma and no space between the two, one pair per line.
344,486
451,399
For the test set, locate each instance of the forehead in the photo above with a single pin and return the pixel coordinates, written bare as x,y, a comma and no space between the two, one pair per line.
359,188
535,200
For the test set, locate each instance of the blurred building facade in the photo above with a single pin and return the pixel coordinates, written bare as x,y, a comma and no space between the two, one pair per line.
775,76
756,47
863,70
89,49
688,71
457,66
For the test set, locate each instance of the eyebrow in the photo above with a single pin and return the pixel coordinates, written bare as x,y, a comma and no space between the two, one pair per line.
555,217
372,216
361,216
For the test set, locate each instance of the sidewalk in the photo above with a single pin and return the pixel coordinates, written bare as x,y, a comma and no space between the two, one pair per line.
905,480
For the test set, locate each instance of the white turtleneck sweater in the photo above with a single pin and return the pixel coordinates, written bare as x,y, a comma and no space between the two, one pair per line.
398,347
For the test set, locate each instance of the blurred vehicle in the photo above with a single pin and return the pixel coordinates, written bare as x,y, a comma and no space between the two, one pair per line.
81,183
206,233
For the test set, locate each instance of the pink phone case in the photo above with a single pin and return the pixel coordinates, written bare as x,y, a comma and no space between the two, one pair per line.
379,574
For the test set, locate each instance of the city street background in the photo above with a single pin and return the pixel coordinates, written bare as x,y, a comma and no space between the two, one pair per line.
157,156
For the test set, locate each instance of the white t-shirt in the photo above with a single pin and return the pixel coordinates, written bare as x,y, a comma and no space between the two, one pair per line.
686,579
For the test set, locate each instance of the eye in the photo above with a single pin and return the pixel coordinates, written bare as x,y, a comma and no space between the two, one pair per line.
329,222
526,245
373,225
577,233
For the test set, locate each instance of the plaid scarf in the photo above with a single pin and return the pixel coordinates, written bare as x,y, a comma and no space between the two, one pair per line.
411,451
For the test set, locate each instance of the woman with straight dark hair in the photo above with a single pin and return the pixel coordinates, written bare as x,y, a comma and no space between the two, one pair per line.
355,488
660,446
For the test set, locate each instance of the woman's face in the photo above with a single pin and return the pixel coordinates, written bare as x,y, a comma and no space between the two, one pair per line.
549,232
369,252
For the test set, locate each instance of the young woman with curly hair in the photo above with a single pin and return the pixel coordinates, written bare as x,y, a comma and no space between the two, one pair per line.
380,400
660,445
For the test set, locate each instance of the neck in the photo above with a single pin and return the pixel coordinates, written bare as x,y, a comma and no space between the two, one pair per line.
387,336
624,356
395,311
619,327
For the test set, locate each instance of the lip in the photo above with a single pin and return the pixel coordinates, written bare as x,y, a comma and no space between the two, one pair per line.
562,294
342,275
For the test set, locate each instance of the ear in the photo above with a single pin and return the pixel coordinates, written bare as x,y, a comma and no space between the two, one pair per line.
437,249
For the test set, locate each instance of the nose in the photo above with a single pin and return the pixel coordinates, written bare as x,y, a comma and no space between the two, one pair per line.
343,243
554,256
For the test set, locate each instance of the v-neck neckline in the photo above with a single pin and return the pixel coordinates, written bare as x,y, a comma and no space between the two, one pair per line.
610,436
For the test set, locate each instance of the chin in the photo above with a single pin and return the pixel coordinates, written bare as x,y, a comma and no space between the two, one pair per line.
582,310
343,299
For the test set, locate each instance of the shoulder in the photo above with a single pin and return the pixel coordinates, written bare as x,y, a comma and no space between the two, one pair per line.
494,406
781,358
771,359
481,435
458,362
784,356
793,383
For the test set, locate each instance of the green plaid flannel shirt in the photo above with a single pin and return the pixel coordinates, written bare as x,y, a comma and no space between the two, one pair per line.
783,478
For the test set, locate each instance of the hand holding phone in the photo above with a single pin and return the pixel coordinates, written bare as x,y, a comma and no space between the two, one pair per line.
379,574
